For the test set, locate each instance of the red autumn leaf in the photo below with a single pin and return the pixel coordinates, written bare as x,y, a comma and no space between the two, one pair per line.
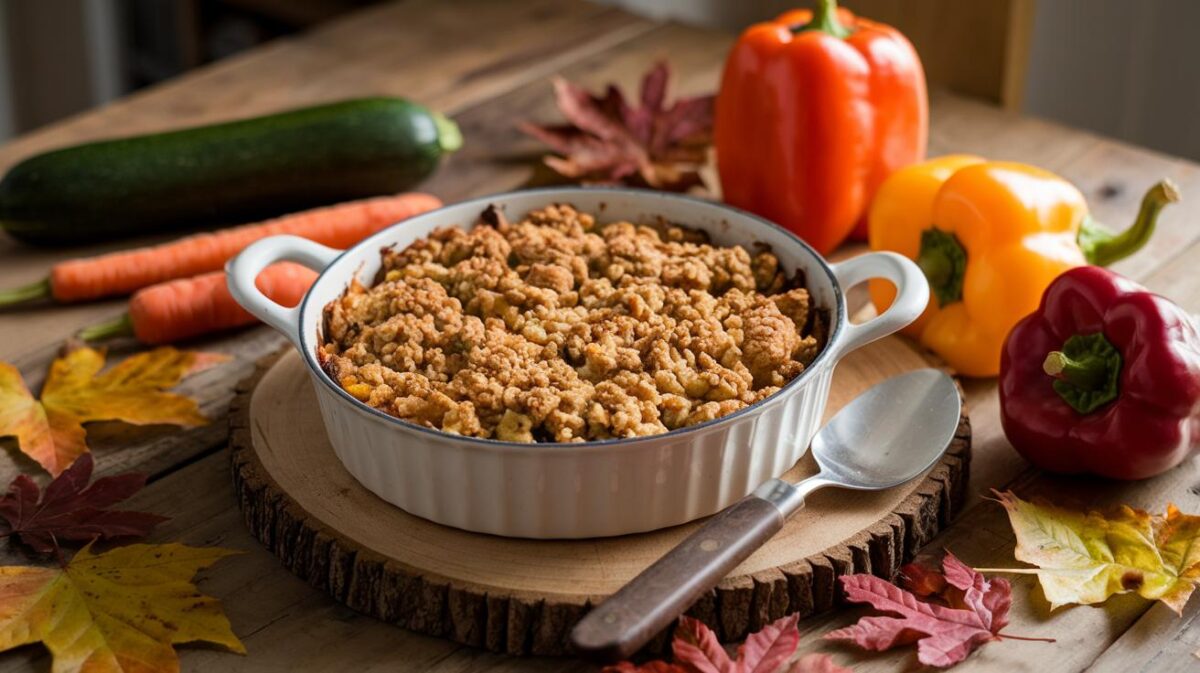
697,650
606,140
767,650
696,647
945,635
990,599
922,580
817,663
71,510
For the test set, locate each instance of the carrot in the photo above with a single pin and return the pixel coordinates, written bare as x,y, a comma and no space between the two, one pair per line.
118,273
190,307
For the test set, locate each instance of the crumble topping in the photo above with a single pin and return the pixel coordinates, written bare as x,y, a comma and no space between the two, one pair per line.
560,329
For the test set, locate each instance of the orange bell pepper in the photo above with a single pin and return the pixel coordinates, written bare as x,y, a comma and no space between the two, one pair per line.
990,237
815,110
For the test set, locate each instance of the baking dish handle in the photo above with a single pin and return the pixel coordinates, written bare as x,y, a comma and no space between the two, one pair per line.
912,294
242,271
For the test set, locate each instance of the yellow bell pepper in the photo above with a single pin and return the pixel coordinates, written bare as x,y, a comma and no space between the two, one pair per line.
990,237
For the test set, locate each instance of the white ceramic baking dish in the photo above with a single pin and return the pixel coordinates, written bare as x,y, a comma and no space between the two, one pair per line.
601,488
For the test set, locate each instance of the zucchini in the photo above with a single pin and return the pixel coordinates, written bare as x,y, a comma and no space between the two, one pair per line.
224,173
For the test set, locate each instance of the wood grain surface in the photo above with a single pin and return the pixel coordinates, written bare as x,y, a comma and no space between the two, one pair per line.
487,64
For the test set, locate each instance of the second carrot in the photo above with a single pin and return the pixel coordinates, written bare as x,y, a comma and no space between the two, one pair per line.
191,307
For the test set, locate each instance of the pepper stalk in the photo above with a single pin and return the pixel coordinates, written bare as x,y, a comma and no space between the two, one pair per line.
944,262
1102,247
825,19
1086,371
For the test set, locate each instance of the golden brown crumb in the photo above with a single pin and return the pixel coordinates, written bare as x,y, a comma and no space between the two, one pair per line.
556,328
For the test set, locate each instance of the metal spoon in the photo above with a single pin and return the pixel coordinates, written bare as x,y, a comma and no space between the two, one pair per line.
885,437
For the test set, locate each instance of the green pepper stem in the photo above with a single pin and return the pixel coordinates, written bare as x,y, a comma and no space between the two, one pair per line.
1087,373
943,260
1102,247
120,326
825,19
937,268
449,136
25,293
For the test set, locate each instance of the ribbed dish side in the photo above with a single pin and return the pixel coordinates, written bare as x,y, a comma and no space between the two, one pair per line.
541,493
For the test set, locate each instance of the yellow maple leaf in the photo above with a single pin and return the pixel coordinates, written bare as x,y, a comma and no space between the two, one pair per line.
51,431
117,612
1085,557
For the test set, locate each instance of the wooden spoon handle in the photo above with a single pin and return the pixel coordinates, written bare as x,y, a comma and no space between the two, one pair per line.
619,626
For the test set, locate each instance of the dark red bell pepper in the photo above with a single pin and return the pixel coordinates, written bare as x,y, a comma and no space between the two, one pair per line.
1103,378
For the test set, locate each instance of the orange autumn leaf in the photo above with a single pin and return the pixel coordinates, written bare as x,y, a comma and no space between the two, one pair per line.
50,430
114,612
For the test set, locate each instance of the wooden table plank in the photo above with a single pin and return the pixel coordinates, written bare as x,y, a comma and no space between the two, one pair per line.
449,55
491,78
1159,642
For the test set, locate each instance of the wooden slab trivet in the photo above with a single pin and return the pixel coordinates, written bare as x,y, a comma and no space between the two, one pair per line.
522,596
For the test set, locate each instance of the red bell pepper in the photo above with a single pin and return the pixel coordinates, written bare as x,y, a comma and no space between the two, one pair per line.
1103,378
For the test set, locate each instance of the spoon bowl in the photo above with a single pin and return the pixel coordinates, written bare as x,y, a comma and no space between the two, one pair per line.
905,422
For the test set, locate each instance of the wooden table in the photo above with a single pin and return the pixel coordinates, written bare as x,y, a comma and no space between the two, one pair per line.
488,64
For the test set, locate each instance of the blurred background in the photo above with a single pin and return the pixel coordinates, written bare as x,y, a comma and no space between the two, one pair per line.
1129,70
